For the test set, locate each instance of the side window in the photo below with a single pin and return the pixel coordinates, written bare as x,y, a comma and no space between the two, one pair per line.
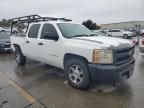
33,32
48,28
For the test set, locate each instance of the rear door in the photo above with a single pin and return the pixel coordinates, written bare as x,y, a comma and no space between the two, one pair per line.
30,47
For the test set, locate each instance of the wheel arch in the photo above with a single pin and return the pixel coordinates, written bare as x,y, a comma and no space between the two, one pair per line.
16,46
69,56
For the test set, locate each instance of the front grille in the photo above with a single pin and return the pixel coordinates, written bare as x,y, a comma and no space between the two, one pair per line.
122,56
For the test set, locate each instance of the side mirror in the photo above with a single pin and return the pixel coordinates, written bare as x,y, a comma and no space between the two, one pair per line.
51,36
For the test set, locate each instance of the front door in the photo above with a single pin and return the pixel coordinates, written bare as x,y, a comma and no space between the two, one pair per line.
49,50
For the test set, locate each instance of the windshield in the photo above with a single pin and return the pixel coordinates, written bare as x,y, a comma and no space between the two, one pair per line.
74,30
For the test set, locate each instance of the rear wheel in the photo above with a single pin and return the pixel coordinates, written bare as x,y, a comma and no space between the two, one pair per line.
77,73
20,58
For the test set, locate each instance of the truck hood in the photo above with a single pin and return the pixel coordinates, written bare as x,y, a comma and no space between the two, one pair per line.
107,42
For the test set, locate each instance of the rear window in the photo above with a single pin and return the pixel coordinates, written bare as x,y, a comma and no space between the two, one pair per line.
33,32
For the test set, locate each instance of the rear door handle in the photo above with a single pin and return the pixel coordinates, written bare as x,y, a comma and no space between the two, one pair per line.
40,44
27,41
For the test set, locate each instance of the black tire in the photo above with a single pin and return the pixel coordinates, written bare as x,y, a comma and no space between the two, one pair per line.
20,58
3,31
83,67
125,36
143,34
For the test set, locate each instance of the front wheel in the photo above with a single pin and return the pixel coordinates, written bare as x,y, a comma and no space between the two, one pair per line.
77,73
20,58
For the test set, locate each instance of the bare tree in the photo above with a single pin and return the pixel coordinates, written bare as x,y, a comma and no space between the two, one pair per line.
91,25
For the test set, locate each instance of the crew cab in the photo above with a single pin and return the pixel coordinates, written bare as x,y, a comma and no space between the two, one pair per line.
84,56
120,33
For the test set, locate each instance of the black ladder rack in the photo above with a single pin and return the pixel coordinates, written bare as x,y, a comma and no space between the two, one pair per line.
34,18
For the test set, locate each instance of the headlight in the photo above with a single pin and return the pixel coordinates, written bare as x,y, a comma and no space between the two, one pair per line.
103,56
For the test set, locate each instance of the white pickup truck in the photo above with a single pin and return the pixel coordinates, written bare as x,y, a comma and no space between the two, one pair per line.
84,56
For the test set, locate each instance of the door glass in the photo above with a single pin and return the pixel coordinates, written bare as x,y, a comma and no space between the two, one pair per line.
33,32
48,28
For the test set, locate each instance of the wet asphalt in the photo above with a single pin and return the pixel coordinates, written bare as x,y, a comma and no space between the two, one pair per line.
49,89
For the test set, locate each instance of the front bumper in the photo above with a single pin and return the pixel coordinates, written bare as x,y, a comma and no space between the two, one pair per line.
141,49
111,73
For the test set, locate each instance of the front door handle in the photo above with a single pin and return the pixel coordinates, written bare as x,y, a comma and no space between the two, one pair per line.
27,41
40,44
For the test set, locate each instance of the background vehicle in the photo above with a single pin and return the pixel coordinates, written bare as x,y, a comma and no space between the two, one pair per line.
100,32
5,45
142,32
5,29
120,33
8,29
84,56
141,44
135,40
0,29
135,32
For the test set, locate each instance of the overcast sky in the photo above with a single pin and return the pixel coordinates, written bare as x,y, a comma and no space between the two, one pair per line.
100,11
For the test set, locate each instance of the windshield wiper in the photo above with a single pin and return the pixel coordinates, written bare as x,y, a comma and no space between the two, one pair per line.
80,35
93,35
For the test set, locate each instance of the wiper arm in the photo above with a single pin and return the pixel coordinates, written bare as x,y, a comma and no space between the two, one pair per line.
93,35
80,35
